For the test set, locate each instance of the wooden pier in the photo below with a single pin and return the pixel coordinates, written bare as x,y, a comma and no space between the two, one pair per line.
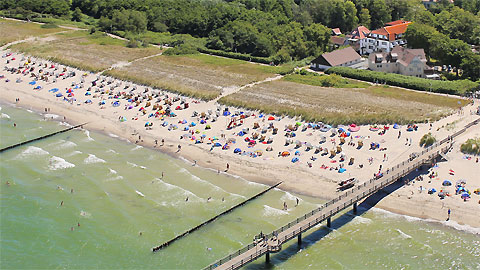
272,242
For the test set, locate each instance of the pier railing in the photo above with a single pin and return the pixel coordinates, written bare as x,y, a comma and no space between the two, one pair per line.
389,176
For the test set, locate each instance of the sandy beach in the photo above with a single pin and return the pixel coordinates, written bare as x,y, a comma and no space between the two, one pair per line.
208,135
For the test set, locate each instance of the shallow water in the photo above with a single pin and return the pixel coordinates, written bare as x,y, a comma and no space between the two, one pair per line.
105,174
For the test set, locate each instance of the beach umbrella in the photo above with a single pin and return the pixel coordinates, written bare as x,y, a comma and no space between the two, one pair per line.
38,87
285,154
295,159
465,195
353,128
69,90
88,94
88,101
342,170
237,150
271,118
193,124
32,82
431,191
70,95
447,183
396,126
59,95
54,90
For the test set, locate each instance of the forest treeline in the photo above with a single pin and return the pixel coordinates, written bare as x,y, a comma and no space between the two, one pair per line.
282,30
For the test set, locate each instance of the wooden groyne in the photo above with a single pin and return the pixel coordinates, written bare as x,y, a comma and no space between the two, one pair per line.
157,248
41,138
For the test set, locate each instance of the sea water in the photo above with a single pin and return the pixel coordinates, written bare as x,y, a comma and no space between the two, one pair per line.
87,200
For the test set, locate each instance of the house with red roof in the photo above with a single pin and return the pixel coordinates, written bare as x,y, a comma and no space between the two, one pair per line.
339,58
386,38
358,38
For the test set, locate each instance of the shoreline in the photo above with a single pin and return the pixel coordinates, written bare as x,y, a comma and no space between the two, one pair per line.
296,179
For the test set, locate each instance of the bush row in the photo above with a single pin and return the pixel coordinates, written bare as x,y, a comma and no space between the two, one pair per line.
459,87
241,56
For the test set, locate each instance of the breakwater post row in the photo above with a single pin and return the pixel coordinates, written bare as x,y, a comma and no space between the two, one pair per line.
40,138
157,248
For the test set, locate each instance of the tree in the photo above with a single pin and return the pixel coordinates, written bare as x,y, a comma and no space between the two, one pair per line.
77,15
419,36
364,17
351,20
381,15
317,38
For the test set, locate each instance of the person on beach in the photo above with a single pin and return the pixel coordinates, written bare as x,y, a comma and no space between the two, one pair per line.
179,148
14,124
285,207
7,183
228,167
163,142
297,201
449,211
156,143
186,199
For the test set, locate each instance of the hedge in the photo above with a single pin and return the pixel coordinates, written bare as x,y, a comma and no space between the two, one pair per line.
458,87
240,56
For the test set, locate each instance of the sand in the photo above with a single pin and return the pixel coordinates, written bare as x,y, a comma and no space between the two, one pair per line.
268,168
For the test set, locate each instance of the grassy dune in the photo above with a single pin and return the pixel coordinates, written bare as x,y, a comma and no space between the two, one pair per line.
15,30
80,49
374,104
199,75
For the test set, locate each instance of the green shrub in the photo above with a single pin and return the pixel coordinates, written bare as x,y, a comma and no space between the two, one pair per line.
427,140
49,26
459,87
181,49
241,56
132,43
471,146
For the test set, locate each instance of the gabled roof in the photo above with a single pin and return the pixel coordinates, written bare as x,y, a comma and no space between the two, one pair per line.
337,40
337,57
360,32
404,56
396,22
391,31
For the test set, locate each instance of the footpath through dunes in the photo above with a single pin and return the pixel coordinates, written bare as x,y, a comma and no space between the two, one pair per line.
12,30
273,242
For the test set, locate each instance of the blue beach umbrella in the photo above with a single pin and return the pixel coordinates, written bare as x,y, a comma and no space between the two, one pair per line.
32,82
447,183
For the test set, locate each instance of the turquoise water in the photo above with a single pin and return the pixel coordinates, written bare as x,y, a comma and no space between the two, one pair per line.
105,174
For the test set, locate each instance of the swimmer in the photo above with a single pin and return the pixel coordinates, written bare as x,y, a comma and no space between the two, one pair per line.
209,198
61,203
186,199
7,183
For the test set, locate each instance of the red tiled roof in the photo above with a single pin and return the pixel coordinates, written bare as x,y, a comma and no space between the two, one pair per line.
391,31
337,31
360,32
337,40
396,22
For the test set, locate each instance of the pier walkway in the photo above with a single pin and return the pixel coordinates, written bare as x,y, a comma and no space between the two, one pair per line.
272,242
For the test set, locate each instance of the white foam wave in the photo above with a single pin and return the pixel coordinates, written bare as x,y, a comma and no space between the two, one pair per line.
135,165
450,223
111,151
112,171
52,116
65,144
87,133
270,211
93,159
58,163
65,124
116,178
30,111
137,147
185,192
30,152
73,153
289,197
361,220
4,115
85,214
112,135
403,235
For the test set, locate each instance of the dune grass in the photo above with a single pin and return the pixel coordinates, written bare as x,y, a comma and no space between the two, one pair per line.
82,50
15,30
197,75
471,146
375,104
325,80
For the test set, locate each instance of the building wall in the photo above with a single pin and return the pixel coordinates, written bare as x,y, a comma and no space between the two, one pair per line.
415,69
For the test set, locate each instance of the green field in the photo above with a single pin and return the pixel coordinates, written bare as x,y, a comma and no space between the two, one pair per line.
16,30
80,49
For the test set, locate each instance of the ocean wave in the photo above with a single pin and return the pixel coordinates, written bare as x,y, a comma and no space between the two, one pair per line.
51,115
93,159
112,135
403,235
270,211
289,197
450,223
116,178
87,133
65,144
111,151
4,115
65,124
361,220
135,165
31,151
112,171
137,147
185,192
73,153
58,163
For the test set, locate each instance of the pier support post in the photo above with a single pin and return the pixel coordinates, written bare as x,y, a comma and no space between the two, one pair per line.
267,257
355,208
299,240
329,222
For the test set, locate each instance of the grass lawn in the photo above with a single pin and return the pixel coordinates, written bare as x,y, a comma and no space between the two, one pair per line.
80,49
374,104
198,75
15,30
325,81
